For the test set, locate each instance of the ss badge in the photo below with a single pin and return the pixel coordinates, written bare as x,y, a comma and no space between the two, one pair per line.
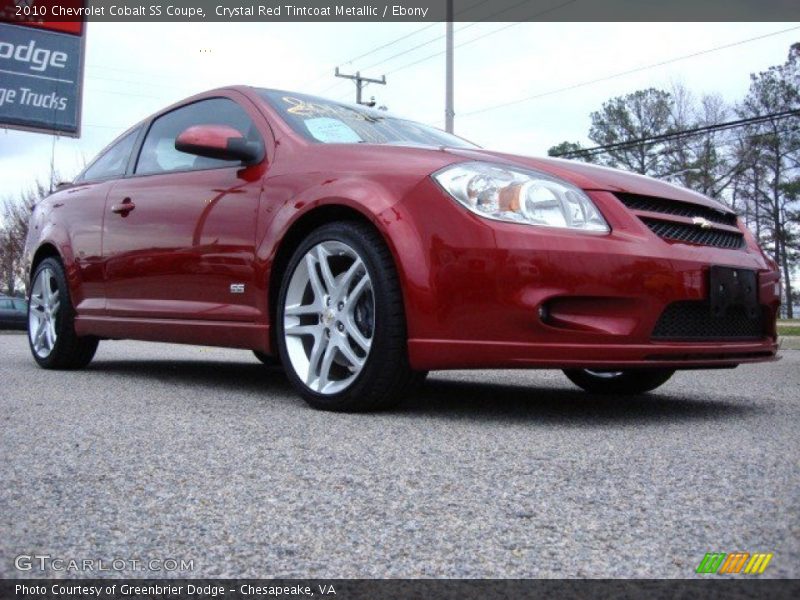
237,288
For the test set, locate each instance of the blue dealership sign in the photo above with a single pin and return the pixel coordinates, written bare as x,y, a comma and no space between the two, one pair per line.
41,77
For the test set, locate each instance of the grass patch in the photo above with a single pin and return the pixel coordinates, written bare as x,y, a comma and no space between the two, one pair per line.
788,329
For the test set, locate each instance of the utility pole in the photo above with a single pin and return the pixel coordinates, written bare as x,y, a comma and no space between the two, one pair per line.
449,111
361,83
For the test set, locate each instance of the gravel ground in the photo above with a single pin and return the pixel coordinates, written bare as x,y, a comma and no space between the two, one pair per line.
162,451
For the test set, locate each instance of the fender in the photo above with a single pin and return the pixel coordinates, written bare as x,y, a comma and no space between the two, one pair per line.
381,206
46,230
56,237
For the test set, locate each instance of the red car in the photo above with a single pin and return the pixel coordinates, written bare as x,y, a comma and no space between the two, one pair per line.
361,250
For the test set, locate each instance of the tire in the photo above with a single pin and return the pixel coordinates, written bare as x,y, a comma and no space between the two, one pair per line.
51,321
341,328
268,360
633,381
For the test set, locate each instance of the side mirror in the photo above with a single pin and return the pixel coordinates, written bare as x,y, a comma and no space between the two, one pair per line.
220,142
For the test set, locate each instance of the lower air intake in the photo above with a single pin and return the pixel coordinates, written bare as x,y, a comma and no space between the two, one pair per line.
692,320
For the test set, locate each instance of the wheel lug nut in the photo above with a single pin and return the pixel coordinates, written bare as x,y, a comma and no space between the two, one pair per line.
341,305
340,327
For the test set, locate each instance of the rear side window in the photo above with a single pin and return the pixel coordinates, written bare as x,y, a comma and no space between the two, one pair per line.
21,305
113,160
5,304
158,154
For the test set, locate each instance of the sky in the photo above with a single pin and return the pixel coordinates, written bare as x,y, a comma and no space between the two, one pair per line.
134,69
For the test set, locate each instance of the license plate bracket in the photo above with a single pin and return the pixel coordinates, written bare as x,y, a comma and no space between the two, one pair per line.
731,287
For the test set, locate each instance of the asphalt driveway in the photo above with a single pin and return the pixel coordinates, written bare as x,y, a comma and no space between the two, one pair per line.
162,451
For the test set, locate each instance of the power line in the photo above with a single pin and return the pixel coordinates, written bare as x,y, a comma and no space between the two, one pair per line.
677,135
460,30
408,35
439,37
389,44
668,151
399,54
465,27
409,50
622,73
380,62
480,37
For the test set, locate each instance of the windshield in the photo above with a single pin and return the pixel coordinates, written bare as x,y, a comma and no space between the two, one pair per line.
330,122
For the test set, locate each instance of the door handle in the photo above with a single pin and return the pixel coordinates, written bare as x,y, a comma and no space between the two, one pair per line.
124,208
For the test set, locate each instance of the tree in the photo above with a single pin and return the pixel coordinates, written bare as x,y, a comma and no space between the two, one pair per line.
701,162
572,150
642,114
14,232
771,177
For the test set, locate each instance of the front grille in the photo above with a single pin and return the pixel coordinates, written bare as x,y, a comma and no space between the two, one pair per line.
677,208
692,234
667,228
692,320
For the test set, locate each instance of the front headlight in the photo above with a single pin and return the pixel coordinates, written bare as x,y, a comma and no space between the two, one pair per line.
520,195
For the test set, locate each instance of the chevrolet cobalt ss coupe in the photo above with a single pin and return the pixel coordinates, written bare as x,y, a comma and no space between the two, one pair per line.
360,250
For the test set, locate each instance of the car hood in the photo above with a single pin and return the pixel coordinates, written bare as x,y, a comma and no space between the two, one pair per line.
419,160
593,177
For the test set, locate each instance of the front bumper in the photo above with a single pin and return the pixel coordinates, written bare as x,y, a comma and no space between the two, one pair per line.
496,295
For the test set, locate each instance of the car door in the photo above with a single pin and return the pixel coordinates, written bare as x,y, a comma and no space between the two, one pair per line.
80,210
179,233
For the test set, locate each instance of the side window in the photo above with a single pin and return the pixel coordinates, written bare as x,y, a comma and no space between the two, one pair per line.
113,161
21,305
158,153
5,304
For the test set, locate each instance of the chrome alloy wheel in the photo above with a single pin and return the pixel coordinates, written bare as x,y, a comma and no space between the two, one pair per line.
329,317
43,313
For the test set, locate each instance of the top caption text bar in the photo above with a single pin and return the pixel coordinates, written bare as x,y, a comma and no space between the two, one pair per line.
398,10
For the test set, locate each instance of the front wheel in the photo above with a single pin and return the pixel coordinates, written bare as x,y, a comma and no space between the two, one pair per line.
341,330
51,321
633,381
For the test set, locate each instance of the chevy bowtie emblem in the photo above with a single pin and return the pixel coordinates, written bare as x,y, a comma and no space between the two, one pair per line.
702,222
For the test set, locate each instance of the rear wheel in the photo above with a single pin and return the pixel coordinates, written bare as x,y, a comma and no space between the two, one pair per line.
51,321
341,329
633,381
